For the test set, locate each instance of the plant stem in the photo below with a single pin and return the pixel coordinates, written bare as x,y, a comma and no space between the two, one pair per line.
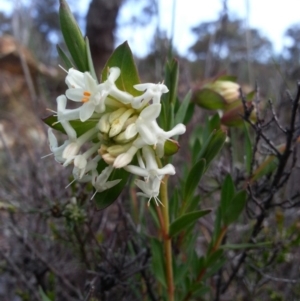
166,238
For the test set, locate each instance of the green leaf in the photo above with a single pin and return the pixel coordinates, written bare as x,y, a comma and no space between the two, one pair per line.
215,268
68,63
171,79
194,178
79,127
214,123
213,258
227,193
158,261
182,111
265,168
246,246
122,58
192,203
43,295
90,60
235,208
107,197
208,99
212,146
217,227
180,272
185,221
73,37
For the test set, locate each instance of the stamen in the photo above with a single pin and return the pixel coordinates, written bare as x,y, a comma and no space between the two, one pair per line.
86,93
47,109
61,67
70,183
94,195
85,99
47,156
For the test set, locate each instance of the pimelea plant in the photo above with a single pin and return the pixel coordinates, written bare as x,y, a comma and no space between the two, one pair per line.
122,127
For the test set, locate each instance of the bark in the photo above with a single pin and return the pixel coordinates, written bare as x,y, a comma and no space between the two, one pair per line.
100,26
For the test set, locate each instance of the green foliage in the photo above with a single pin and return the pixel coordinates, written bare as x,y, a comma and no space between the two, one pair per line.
234,208
185,221
194,178
122,58
158,261
208,99
73,37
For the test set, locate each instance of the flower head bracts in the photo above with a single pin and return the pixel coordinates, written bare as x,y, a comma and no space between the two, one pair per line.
125,127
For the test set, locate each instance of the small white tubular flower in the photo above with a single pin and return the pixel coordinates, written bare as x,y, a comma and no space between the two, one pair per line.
118,123
81,161
125,158
149,169
153,91
83,88
63,115
55,149
100,183
143,123
73,148
162,135
150,190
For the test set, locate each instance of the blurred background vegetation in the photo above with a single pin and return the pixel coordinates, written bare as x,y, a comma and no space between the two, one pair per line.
52,238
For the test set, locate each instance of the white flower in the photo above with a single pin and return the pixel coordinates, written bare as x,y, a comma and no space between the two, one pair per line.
64,115
150,131
150,189
151,173
73,147
149,168
143,123
100,183
55,149
125,158
162,136
81,163
153,91
84,88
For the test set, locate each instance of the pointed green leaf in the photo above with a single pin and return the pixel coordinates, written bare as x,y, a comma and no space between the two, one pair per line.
265,168
217,227
208,99
68,63
227,193
213,258
182,111
90,60
171,80
212,146
158,261
185,221
235,208
122,58
246,245
43,295
78,126
73,36
215,268
180,272
194,178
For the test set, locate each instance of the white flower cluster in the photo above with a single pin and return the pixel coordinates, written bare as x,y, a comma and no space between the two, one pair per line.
125,126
